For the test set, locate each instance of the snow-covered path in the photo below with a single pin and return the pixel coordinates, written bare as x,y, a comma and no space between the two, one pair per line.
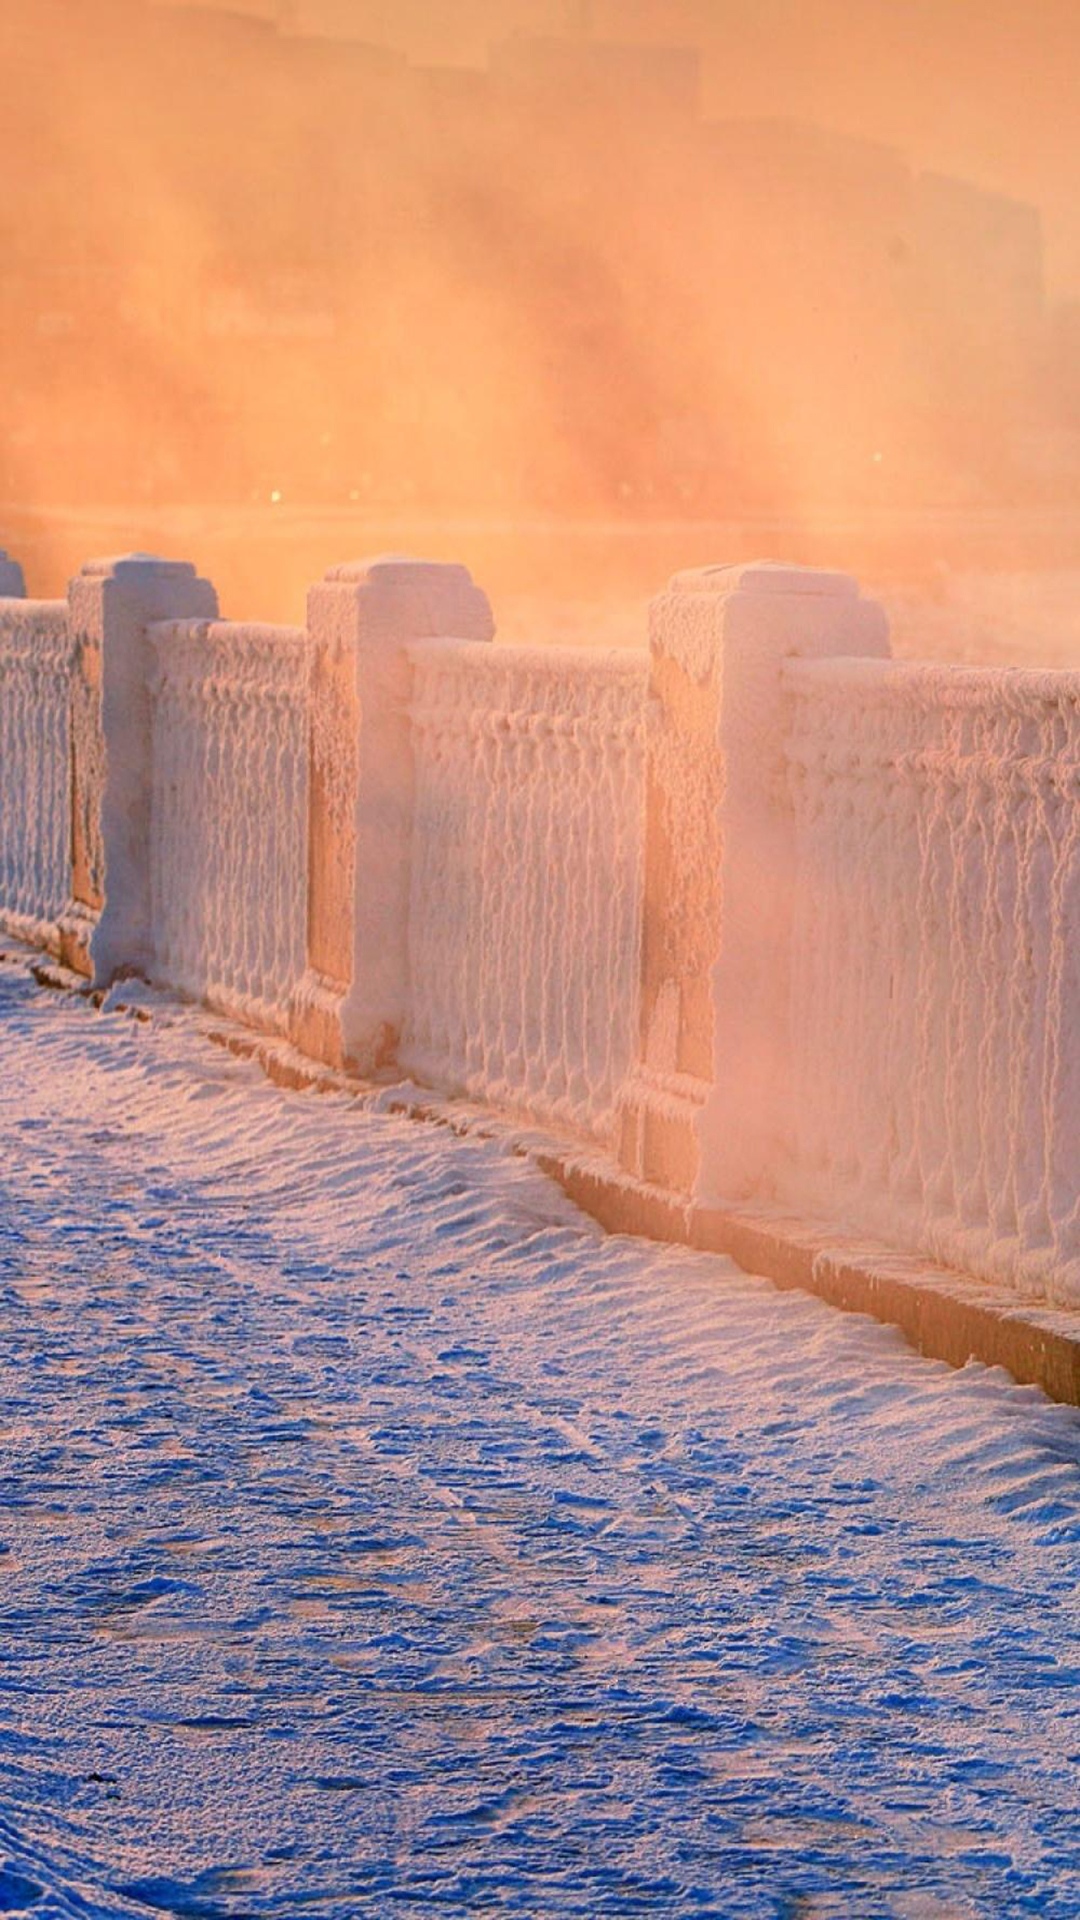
376,1537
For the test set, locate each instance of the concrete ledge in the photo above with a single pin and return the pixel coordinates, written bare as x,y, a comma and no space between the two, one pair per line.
30,931
944,1314
67,938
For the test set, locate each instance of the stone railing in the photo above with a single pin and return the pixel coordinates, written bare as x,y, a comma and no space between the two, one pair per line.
524,923
51,769
935,958
37,677
784,923
704,1111
229,794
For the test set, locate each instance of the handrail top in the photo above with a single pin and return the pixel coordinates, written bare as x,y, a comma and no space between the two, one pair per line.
530,657
938,678
220,632
14,609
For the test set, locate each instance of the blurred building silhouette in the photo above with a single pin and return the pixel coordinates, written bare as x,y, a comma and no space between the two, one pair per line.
239,260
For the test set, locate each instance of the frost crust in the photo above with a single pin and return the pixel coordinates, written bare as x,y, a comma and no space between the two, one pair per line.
37,659
228,858
525,909
935,1004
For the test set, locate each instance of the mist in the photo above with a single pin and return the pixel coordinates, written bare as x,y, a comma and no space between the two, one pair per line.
806,267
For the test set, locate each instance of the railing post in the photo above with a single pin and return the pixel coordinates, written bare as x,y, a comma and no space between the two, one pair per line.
12,584
349,1007
112,602
700,1113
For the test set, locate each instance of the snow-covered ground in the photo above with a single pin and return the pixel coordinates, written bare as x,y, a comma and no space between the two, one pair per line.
376,1537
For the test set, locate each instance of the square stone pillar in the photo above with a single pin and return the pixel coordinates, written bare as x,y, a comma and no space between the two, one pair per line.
112,602
12,584
362,618
699,1114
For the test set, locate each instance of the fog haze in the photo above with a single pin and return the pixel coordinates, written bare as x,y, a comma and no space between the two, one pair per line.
655,260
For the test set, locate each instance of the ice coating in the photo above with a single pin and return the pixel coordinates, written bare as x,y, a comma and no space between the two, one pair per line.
526,877
859,987
36,662
936,961
229,818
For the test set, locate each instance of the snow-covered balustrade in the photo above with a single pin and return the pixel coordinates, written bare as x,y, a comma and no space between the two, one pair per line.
861,950
229,800
783,921
703,1111
112,604
525,896
349,1007
935,996
37,663
73,673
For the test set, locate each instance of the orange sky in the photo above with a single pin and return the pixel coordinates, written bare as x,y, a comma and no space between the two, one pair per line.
984,88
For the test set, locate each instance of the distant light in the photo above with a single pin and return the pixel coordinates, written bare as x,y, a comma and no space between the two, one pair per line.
354,493
275,497
878,457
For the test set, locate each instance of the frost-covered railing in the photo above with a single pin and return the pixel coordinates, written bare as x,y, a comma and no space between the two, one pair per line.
782,921
228,842
37,659
935,1009
74,757
525,896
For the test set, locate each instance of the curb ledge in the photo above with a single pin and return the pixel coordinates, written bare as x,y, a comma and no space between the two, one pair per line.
944,1314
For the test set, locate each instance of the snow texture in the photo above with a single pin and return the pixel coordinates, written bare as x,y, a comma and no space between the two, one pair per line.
229,813
36,673
936,961
378,1537
524,924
